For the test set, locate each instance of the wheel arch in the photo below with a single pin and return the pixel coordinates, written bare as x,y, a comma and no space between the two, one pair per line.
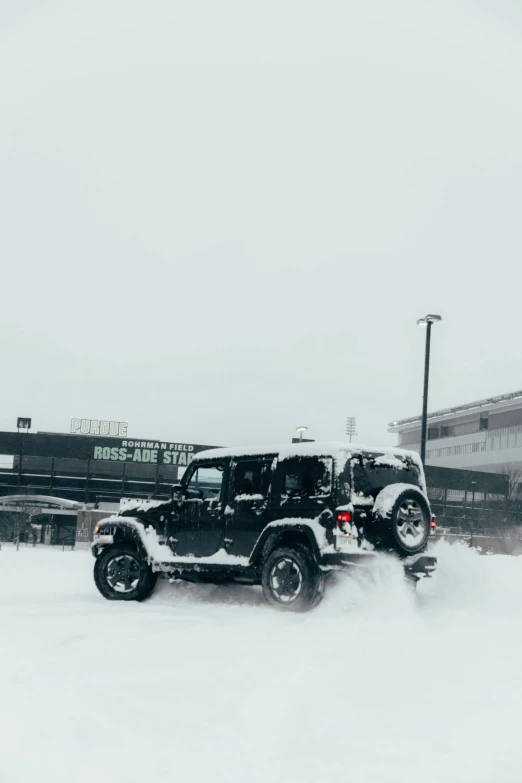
289,535
119,534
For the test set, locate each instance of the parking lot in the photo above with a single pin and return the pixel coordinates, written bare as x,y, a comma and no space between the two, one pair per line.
208,682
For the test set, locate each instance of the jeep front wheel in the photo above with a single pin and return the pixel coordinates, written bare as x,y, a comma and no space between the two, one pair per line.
122,574
291,579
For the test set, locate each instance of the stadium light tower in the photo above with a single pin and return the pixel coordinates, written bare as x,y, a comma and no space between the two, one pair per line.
427,321
300,430
350,427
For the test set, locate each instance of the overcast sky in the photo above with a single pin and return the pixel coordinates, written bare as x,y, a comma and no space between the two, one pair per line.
221,220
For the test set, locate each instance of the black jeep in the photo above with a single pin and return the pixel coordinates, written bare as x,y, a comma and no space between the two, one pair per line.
281,517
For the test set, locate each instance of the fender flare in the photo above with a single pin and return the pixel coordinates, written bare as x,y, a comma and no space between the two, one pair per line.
274,531
125,531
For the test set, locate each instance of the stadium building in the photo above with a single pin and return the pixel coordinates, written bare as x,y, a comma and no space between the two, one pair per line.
54,487
485,435
64,483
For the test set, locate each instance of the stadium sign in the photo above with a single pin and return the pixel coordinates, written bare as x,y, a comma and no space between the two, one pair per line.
98,448
150,451
117,429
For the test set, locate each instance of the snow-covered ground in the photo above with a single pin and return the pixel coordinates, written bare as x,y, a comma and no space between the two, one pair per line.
207,683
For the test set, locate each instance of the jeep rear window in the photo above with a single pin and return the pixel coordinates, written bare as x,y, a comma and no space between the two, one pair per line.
369,478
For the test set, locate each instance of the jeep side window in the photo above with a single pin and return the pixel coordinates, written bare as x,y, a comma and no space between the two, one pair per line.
383,474
206,482
252,477
307,477
372,476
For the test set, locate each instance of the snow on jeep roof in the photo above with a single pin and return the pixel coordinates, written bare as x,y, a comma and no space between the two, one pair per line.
339,450
138,504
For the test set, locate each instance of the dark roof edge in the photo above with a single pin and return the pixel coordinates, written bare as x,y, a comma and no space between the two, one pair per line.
460,408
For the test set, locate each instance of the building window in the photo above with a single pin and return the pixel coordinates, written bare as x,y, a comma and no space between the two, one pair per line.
466,448
433,433
483,423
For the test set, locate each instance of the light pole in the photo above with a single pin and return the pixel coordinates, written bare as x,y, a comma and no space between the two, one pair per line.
300,430
427,321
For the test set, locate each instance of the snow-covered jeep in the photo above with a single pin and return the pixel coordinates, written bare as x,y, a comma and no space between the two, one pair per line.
280,517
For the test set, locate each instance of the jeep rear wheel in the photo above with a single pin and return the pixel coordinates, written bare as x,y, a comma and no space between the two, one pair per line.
122,574
291,579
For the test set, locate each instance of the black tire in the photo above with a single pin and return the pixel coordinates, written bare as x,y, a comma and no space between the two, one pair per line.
122,574
406,528
301,585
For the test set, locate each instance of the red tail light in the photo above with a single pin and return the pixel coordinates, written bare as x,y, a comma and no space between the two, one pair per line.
432,523
343,518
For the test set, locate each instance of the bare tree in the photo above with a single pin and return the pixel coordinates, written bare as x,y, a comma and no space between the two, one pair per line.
436,494
17,525
509,520
514,496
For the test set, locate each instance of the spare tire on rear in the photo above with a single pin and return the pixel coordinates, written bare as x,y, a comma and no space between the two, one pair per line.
401,519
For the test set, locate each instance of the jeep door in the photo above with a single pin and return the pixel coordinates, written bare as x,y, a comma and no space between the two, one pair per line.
249,503
304,486
200,517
